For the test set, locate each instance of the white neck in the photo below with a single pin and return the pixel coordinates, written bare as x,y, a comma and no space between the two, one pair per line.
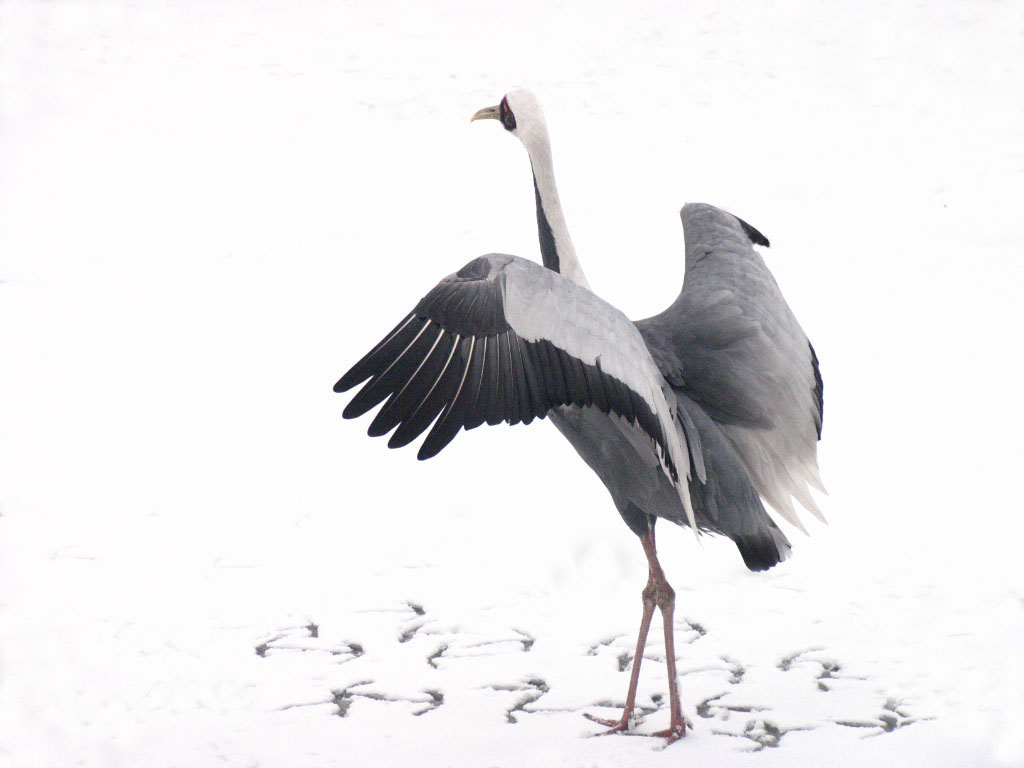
555,243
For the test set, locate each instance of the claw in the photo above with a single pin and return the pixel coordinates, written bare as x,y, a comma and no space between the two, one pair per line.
622,725
673,733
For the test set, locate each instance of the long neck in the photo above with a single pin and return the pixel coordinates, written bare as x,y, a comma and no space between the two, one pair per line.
555,244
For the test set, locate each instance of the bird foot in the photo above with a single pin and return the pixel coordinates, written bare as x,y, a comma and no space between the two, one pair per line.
626,725
621,725
674,732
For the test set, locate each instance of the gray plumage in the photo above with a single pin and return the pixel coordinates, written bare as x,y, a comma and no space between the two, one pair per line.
744,378
718,365
732,345
504,339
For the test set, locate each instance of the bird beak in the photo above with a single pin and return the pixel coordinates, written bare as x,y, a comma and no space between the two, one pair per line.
487,113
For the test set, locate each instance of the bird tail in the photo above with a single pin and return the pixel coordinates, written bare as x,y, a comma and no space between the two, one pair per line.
767,548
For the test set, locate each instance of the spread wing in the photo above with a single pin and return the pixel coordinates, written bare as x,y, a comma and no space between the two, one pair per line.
731,343
504,339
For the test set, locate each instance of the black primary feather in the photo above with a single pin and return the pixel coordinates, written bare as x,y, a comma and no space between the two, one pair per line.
755,237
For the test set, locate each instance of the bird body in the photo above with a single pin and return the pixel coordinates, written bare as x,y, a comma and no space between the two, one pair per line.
725,406
692,415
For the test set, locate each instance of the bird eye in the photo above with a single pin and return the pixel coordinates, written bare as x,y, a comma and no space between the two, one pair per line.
507,118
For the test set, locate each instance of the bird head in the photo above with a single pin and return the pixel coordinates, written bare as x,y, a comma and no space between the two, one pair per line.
521,115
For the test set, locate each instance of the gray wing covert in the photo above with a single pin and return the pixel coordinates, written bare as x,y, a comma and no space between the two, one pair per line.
732,344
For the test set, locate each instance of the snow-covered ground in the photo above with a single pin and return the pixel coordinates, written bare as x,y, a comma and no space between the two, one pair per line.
208,211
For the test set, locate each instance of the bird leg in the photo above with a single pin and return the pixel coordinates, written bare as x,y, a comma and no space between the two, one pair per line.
665,598
625,722
658,592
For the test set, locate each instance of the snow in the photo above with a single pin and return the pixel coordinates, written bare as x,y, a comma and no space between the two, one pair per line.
201,564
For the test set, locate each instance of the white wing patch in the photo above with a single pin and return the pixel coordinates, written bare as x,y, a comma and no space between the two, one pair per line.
541,304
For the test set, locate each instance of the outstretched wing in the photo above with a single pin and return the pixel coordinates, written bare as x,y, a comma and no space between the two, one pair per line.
504,339
731,343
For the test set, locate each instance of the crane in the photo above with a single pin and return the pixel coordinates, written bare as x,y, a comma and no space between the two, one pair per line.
693,415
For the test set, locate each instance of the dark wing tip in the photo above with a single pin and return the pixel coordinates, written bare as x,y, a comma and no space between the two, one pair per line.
755,236
419,365
369,365
357,374
819,389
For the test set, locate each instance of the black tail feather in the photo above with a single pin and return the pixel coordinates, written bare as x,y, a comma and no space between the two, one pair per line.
763,550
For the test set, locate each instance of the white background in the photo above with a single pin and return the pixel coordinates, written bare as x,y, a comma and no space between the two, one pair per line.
208,211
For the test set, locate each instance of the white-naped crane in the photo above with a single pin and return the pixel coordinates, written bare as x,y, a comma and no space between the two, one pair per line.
693,415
